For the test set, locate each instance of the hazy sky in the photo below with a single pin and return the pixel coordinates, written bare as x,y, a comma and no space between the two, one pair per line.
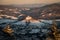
7,2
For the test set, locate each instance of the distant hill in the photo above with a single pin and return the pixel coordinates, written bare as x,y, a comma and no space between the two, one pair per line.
30,5
51,11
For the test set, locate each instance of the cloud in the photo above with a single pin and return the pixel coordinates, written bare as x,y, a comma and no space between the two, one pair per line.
27,1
